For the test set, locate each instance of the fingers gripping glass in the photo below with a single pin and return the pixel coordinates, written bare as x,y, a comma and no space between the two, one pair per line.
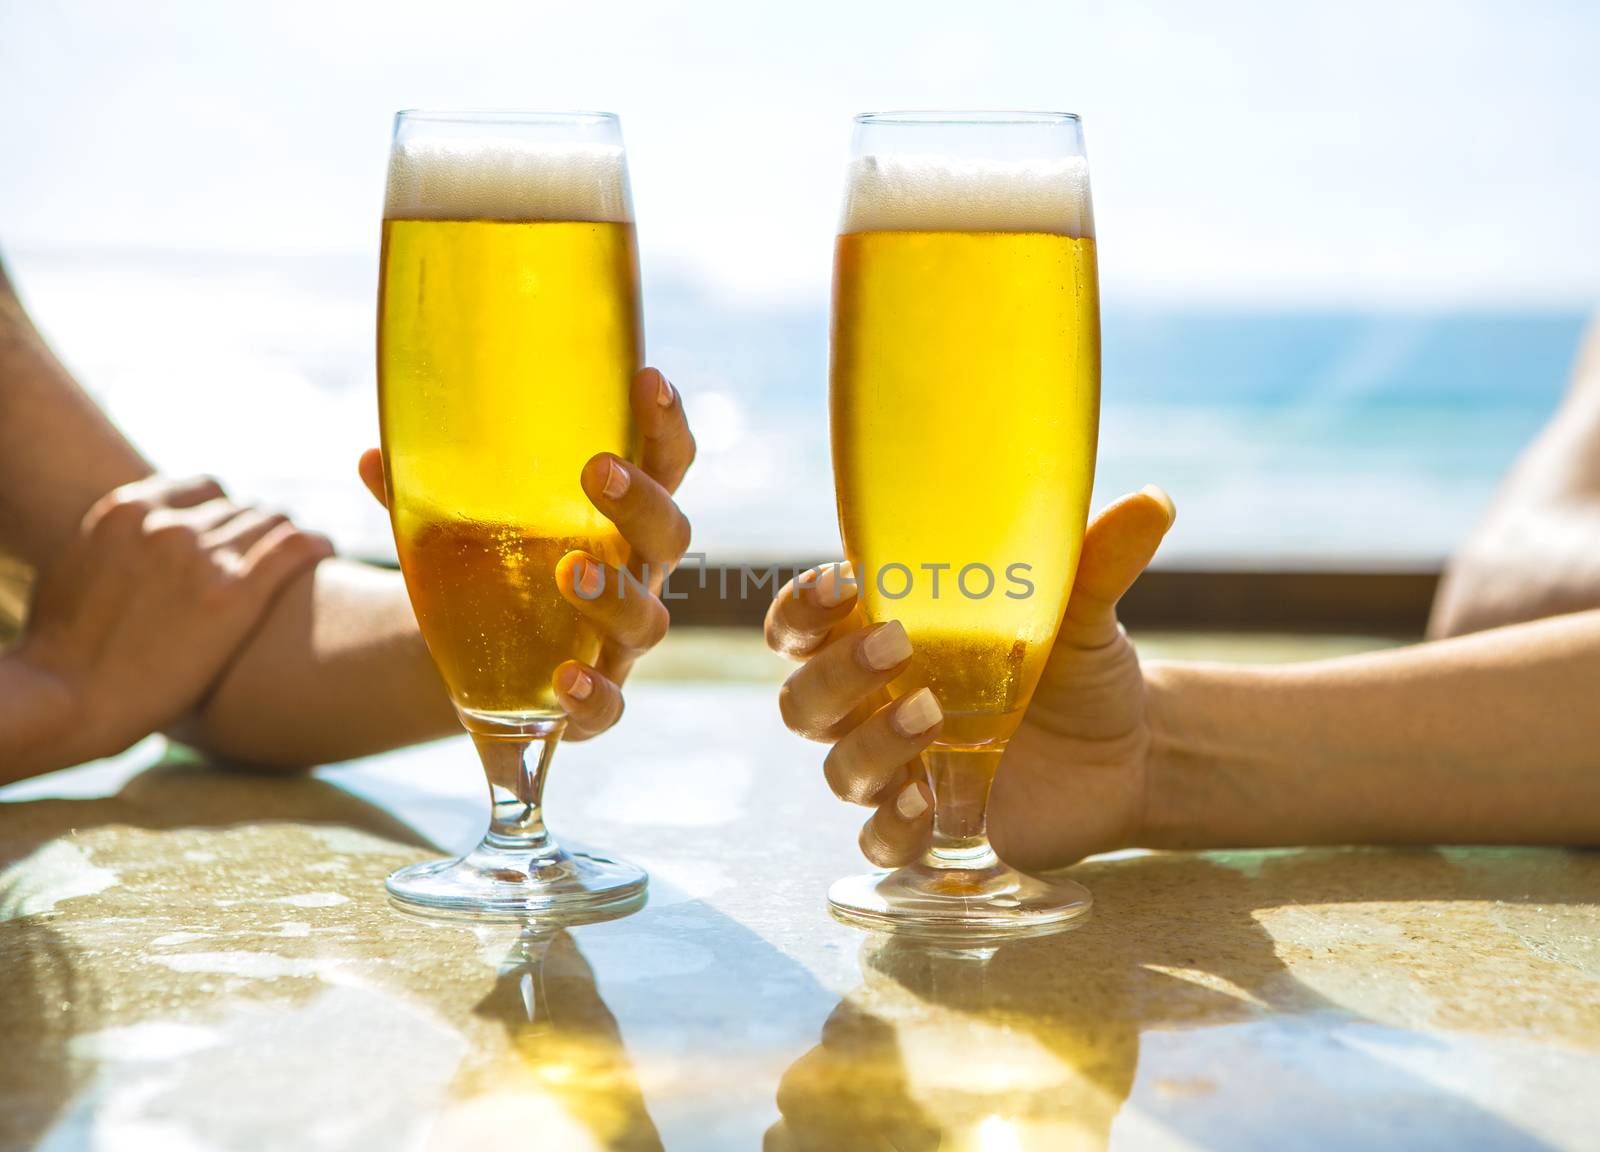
965,387
508,333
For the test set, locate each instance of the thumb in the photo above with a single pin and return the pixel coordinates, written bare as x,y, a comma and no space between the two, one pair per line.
1116,549
371,469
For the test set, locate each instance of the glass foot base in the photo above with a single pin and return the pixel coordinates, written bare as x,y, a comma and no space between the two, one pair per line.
959,904
505,884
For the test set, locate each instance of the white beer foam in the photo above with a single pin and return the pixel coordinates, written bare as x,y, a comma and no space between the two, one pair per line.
499,178
908,192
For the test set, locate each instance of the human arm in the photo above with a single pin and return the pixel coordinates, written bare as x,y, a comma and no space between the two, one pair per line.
59,453
145,586
335,666
1492,738
1537,551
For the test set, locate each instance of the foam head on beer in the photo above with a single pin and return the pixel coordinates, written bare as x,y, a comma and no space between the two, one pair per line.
907,192
500,178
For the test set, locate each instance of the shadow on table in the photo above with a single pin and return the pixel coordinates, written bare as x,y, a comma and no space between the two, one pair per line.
182,792
158,938
1035,1043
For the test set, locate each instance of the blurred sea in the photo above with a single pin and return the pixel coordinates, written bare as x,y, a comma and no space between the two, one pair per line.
1286,437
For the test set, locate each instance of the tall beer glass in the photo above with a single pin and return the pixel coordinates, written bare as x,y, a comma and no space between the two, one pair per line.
965,406
508,334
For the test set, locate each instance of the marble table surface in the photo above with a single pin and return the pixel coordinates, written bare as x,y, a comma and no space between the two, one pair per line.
205,959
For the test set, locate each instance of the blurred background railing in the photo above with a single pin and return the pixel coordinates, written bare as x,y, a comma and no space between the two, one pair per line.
1389,604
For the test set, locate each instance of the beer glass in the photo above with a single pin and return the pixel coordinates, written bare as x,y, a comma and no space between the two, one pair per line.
508,334
965,393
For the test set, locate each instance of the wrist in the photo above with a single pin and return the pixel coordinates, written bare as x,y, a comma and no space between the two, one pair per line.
1179,767
37,732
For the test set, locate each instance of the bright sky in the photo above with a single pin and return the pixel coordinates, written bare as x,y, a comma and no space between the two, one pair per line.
1437,152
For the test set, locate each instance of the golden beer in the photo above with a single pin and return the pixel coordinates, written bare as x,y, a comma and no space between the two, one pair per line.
507,340
965,410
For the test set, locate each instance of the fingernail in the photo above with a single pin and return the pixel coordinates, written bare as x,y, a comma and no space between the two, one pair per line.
916,713
663,390
578,685
1160,496
589,578
836,585
910,803
617,481
885,646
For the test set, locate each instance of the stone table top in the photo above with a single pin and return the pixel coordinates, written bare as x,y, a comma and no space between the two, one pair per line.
204,959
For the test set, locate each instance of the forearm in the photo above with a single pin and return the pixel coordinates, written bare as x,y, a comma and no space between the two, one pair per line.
337,669
1491,738
58,452
1535,553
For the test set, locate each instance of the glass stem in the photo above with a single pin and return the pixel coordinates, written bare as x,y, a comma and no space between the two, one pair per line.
516,765
960,779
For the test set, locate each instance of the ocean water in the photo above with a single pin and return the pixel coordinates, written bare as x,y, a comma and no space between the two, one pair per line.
1285,437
